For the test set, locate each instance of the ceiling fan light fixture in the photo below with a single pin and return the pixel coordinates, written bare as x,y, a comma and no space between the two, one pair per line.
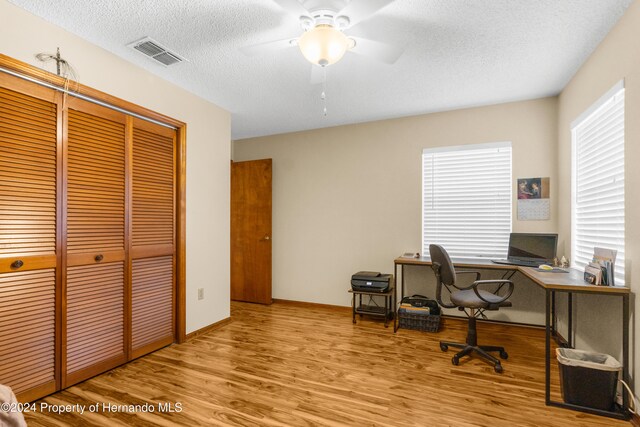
323,45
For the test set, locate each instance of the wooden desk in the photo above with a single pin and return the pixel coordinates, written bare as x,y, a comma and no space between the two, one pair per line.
568,283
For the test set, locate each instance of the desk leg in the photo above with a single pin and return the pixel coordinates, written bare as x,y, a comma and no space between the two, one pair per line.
570,320
395,319
393,309
402,283
554,328
547,348
625,349
395,278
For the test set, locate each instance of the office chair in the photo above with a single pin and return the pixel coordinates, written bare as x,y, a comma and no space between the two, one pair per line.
474,299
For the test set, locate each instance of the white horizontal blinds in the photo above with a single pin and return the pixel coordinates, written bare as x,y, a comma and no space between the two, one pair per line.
467,199
598,183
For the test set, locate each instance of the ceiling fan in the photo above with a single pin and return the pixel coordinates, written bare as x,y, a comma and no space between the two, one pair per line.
324,41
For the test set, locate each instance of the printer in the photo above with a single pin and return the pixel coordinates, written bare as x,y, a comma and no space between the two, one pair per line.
370,281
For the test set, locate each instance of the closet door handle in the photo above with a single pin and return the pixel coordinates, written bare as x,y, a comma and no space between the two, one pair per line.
99,257
17,264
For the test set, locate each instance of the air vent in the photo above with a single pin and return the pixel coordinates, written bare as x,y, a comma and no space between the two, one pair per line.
167,58
156,51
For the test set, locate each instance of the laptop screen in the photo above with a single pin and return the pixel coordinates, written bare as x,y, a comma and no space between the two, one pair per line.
532,246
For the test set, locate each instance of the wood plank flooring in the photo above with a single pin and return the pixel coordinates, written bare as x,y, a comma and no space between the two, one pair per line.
293,365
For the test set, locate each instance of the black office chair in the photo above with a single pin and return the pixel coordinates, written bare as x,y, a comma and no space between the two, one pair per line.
474,299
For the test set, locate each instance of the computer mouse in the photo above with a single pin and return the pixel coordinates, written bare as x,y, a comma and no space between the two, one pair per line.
545,267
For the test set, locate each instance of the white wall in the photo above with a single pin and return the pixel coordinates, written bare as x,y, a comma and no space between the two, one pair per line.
22,35
617,58
349,198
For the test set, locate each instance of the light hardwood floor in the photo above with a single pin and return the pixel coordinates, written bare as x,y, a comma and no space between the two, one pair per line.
294,365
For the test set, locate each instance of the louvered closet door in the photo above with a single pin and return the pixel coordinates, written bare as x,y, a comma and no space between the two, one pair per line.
95,241
153,266
28,230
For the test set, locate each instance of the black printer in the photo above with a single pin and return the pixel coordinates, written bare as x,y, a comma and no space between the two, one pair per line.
370,281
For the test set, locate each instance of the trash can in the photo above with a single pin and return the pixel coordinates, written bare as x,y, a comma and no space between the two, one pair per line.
587,378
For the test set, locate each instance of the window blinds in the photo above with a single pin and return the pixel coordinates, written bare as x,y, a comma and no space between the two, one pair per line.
598,181
467,199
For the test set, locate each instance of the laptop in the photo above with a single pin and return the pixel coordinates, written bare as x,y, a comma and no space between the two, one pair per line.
530,249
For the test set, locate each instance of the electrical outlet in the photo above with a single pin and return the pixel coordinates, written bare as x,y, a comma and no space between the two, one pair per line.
200,293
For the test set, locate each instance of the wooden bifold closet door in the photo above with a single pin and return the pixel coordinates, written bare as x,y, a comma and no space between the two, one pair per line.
29,274
152,242
88,232
94,240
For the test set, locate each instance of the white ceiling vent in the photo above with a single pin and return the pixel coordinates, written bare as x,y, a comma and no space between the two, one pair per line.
156,51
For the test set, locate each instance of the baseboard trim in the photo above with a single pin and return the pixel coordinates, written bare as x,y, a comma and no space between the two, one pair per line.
209,328
559,338
312,304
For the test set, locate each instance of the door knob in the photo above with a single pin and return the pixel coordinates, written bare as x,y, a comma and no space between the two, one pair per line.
267,238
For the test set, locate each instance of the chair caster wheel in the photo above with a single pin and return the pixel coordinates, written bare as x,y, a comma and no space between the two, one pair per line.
444,347
455,360
504,355
498,368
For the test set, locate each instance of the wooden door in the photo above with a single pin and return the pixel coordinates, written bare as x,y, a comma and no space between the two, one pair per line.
95,227
29,277
251,231
153,237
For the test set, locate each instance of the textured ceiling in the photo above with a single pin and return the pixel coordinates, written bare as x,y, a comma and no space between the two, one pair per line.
458,53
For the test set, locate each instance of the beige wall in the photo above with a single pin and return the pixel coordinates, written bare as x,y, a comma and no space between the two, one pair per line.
22,35
325,179
617,58
349,198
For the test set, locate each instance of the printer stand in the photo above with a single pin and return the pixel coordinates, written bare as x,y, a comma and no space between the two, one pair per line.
373,310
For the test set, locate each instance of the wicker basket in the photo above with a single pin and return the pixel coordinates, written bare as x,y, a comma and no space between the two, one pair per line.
417,321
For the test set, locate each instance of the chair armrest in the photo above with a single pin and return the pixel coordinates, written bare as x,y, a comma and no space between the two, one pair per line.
477,273
509,284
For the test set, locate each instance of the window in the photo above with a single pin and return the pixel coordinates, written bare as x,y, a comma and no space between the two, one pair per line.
597,213
466,199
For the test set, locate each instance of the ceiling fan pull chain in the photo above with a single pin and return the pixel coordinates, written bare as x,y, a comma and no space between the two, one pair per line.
323,95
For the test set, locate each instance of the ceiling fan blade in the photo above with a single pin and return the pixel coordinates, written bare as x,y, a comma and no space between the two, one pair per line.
318,74
294,7
262,48
382,52
359,10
